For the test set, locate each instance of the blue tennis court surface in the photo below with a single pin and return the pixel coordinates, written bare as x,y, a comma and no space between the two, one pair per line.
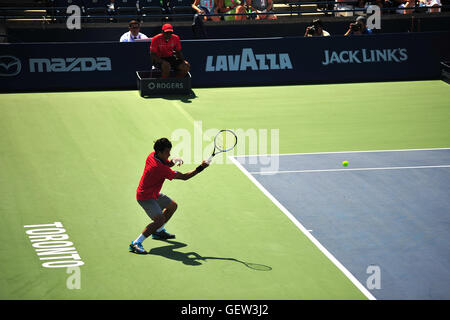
388,211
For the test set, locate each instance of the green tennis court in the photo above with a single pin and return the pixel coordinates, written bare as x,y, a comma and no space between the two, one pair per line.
77,157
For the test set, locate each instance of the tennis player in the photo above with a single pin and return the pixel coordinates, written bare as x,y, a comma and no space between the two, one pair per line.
158,206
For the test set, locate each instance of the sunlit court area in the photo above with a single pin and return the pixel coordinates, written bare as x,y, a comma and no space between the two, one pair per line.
212,151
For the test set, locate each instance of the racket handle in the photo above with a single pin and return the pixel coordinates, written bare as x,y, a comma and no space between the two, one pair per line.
209,159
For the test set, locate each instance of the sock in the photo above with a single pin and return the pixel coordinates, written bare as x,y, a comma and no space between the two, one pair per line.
140,239
160,229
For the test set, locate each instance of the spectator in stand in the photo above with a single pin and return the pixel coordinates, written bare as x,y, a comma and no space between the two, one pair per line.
262,6
316,29
406,4
134,34
361,4
380,3
230,7
343,5
206,7
358,27
393,5
111,7
364,4
433,5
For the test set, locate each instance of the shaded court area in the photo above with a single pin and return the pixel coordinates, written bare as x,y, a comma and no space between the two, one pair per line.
385,217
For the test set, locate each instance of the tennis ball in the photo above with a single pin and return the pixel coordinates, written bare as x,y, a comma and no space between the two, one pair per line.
345,163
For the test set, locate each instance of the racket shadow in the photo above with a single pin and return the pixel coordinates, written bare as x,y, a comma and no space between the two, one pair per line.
195,259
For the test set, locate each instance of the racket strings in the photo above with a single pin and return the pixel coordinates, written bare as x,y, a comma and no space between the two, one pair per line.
225,140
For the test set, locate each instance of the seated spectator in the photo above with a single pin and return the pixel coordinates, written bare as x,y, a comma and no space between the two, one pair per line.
361,4
316,29
344,5
358,27
364,4
262,6
433,5
232,6
111,7
406,4
380,3
134,34
111,10
393,5
206,7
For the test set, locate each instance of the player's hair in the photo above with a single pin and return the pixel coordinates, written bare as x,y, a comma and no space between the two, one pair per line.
132,22
162,144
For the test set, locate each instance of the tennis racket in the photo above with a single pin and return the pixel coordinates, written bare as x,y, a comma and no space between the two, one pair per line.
225,140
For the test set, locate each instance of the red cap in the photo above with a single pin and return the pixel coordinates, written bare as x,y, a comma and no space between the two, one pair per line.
167,28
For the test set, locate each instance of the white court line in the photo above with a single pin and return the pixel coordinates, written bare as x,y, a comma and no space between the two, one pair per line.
184,113
346,169
350,276
335,152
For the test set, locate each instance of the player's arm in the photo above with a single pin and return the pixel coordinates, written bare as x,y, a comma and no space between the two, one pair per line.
179,55
155,57
196,8
190,174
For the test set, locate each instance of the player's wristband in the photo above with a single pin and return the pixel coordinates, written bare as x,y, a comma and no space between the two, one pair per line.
199,169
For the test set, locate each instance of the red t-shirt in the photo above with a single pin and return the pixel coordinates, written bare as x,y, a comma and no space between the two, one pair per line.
163,48
155,172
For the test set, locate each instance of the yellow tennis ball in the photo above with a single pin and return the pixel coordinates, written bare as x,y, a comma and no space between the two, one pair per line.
345,163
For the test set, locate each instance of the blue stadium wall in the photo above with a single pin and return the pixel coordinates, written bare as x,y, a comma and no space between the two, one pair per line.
229,62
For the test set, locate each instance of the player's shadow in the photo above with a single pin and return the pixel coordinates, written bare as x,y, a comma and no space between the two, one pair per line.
195,259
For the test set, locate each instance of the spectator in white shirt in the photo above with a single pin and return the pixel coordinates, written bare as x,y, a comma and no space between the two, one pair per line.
134,33
432,4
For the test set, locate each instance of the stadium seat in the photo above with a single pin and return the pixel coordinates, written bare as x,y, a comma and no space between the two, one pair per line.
127,7
182,6
59,8
66,3
96,7
151,7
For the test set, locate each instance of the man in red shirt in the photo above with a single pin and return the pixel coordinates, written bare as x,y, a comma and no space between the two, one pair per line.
158,206
165,50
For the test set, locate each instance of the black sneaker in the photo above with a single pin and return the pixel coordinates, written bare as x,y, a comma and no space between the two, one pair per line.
162,235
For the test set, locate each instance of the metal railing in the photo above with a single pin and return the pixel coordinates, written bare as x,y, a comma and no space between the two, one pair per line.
58,13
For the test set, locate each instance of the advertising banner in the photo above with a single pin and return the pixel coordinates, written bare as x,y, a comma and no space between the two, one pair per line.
231,62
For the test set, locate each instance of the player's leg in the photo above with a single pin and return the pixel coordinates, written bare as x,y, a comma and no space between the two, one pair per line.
170,210
165,69
158,222
168,207
153,210
182,68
